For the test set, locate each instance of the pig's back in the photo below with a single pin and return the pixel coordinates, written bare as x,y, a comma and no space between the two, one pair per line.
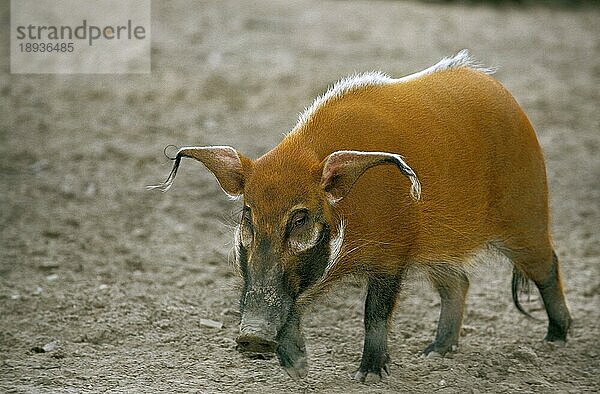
472,147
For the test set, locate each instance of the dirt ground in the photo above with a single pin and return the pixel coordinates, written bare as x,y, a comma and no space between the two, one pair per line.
114,280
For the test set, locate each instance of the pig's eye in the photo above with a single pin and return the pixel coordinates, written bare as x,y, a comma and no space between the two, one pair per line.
298,220
303,232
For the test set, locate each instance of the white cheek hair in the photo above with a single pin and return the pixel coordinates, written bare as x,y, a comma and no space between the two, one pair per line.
335,247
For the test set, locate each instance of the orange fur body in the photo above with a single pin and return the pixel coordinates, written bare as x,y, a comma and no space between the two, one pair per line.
469,142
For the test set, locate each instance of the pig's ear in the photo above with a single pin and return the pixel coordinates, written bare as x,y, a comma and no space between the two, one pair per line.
342,169
229,167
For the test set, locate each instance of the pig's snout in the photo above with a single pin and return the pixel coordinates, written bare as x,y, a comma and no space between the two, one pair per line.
256,337
255,344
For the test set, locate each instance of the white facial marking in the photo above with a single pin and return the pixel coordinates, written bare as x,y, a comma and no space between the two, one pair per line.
335,247
335,244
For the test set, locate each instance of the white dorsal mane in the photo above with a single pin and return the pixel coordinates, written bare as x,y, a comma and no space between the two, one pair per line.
377,78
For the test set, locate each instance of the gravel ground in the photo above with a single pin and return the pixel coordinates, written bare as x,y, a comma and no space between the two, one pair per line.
104,285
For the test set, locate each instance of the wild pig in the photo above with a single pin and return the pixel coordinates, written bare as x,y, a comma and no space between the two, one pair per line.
436,170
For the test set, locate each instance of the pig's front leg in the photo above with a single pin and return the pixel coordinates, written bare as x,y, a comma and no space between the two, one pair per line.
379,305
291,350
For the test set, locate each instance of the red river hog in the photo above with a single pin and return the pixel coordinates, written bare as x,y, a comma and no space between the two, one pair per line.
436,170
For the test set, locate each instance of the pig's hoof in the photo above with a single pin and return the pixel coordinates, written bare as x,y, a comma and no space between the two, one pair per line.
435,349
555,336
372,374
368,377
555,344
292,357
298,370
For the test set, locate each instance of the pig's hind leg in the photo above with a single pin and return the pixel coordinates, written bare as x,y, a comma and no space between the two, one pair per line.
542,267
452,284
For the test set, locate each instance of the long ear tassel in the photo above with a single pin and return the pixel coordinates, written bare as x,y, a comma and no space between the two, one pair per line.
415,187
415,184
166,185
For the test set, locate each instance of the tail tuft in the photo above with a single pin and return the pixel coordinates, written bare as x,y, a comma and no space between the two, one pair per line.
520,284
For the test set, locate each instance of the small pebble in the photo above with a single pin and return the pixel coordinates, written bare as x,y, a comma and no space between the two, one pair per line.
52,277
39,166
50,346
90,189
47,348
48,265
211,323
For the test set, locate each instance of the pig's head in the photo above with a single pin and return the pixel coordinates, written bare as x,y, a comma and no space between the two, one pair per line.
289,236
